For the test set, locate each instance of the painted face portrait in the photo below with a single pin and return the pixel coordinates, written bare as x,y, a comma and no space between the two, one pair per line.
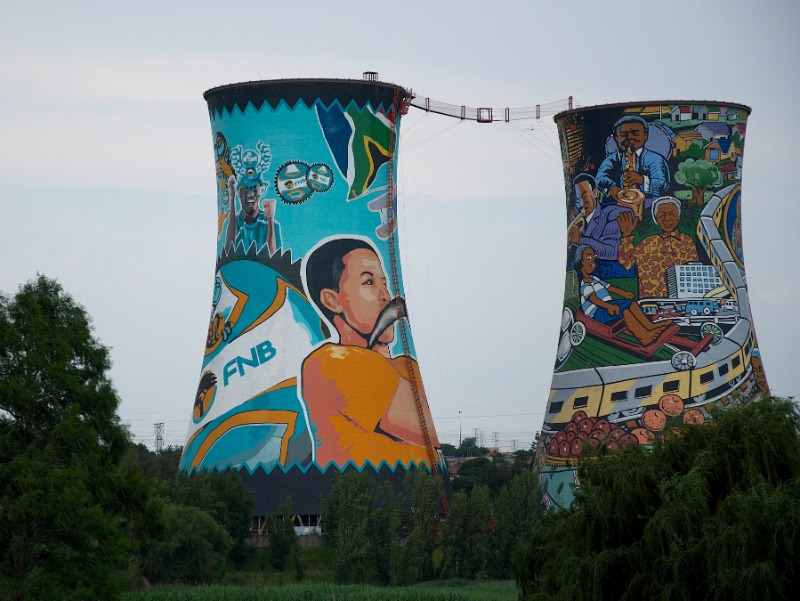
362,292
668,217
587,196
630,136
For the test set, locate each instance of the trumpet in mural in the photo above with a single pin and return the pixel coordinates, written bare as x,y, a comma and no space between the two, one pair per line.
656,324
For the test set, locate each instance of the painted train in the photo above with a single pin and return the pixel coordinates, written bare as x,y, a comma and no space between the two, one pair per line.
720,366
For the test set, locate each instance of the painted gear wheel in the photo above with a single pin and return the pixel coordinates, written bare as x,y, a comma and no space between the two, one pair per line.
291,182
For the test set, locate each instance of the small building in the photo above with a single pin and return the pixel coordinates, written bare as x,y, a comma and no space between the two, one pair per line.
711,130
732,114
700,112
681,113
712,151
713,112
683,141
728,171
692,281
722,150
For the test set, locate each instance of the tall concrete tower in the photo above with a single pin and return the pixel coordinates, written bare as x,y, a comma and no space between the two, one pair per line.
656,325
309,367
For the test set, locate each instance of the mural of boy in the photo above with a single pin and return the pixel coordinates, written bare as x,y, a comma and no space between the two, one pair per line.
361,400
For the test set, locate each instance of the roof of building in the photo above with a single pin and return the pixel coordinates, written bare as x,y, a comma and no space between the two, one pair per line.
715,127
725,145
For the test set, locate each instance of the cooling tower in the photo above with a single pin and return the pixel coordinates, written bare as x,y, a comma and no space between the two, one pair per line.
309,367
656,325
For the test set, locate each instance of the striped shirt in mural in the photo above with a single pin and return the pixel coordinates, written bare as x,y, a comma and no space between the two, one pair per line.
597,287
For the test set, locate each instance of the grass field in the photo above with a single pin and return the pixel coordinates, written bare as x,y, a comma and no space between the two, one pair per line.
451,590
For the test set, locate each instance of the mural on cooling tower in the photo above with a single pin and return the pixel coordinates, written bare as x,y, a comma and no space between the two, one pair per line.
656,322
305,360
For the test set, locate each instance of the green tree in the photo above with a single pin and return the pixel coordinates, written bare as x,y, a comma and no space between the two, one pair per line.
223,496
517,513
469,448
449,450
283,542
388,526
70,511
468,534
346,518
423,495
482,471
698,175
712,512
192,549
155,466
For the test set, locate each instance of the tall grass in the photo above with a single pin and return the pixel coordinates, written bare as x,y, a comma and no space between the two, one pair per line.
453,590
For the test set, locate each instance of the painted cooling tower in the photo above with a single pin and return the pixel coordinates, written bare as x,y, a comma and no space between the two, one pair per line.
309,367
656,324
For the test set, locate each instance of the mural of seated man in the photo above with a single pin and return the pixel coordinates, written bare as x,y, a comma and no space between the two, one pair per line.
597,303
360,399
631,165
599,228
657,253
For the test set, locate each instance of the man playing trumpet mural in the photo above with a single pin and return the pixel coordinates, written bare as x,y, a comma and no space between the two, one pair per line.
632,166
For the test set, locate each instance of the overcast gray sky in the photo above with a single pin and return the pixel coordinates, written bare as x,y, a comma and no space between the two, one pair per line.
107,175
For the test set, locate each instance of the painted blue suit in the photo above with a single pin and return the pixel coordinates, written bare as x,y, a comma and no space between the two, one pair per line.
649,164
602,232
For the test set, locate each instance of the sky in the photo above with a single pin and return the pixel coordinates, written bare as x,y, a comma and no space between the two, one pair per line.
107,170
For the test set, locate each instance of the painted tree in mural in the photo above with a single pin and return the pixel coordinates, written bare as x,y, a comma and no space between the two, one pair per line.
698,175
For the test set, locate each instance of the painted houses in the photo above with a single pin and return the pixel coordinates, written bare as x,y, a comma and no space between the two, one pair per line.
720,150
713,130
683,141
681,113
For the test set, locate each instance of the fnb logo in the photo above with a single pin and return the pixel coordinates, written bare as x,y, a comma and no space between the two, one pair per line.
259,355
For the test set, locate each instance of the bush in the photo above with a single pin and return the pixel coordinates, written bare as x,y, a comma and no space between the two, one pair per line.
712,512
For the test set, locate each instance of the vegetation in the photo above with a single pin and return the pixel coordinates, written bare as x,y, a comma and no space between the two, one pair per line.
70,512
459,590
698,174
712,512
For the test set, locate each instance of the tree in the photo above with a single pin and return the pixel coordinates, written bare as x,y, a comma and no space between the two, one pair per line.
712,512
346,518
283,542
223,496
468,534
193,548
388,525
469,448
482,471
423,495
69,510
698,175
517,512
449,450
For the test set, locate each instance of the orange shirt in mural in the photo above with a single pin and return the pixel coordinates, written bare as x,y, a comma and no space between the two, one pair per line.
654,255
362,407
